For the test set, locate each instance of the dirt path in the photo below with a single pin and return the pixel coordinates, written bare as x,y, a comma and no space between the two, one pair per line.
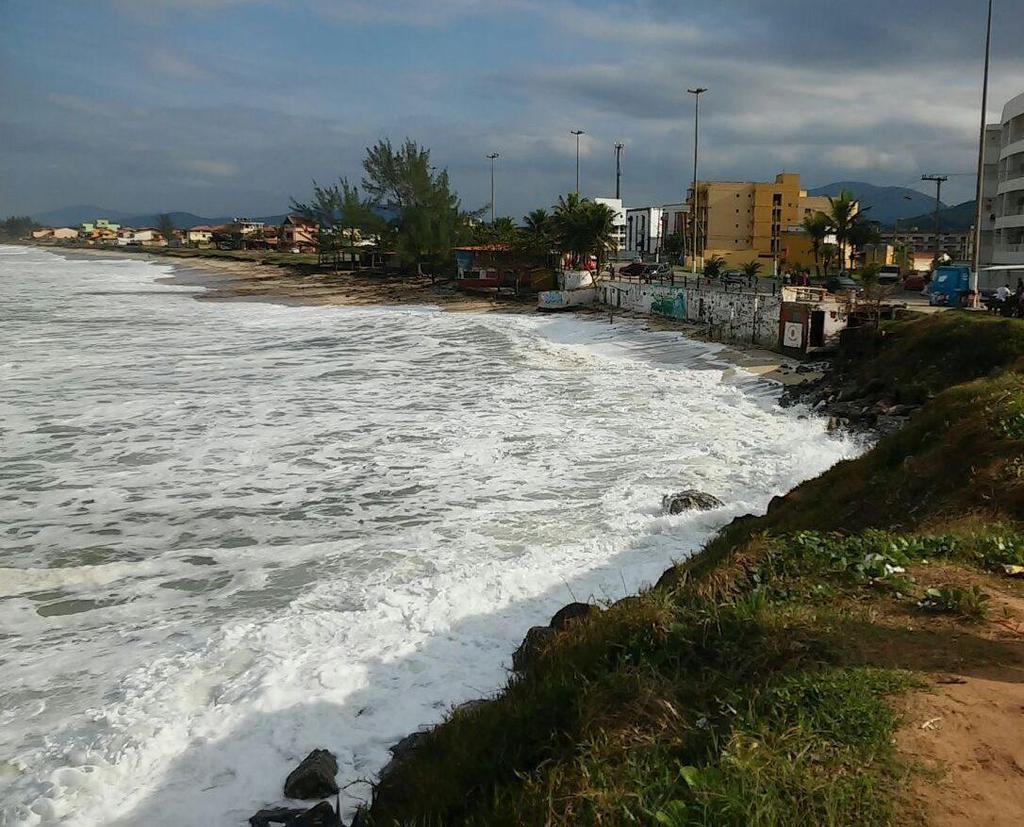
967,728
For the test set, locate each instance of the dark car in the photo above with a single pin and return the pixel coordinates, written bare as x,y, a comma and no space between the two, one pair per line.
914,281
734,278
658,271
637,268
842,284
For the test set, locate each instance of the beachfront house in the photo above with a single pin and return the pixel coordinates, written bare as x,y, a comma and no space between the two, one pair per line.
298,234
199,236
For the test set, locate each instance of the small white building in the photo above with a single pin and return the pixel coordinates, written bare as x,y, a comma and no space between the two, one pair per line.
618,224
198,235
643,231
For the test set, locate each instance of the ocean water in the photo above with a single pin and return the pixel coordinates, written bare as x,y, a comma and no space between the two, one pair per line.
233,532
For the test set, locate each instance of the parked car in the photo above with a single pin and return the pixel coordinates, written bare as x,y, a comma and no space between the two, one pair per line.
914,281
889,274
842,284
734,278
636,268
658,271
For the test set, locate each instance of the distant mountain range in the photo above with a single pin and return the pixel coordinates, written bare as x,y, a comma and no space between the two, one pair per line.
73,216
885,204
951,219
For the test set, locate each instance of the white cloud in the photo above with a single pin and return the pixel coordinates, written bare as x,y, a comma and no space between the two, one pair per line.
217,169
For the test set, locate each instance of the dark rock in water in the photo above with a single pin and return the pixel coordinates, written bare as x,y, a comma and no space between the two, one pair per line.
525,656
689,500
400,752
360,818
314,777
405,747
275,815
670,578
571,613
469,706
322,815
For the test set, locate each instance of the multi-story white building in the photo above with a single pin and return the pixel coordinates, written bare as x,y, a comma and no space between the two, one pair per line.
1003,193
618,222
643,231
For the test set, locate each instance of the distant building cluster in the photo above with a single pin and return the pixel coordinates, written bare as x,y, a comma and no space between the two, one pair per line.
295,234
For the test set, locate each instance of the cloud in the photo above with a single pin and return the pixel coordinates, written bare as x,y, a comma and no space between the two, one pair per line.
216,169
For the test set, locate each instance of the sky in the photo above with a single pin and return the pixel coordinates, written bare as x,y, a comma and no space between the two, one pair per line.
232,107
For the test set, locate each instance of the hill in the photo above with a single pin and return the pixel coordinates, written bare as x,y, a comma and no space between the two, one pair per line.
951,219
886,203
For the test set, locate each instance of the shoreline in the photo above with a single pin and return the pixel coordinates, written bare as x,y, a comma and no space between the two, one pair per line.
234,280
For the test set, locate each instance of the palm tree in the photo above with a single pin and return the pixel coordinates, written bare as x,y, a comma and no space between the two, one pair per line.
713,267
842,218
817,226
582,228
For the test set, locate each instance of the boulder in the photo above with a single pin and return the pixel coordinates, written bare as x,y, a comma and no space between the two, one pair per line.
314,777
572,613
400,752
360,819
322,815
469,706
526,655
690,500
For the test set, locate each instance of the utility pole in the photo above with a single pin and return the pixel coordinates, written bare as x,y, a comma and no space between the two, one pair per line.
696,134
577,133
939,180
976,259
491,158
618,168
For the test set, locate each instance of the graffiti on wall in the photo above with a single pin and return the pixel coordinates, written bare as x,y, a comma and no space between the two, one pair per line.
670,305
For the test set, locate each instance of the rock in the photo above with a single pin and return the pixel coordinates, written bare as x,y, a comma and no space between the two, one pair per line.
833,424
689,500
275,815
572,613
314,777
322,815
670,578
526,655
469,706
901,410
360,818
401,751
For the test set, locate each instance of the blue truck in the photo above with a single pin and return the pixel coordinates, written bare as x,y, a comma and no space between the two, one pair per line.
950,282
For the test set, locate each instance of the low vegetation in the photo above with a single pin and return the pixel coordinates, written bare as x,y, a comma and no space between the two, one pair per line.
762,682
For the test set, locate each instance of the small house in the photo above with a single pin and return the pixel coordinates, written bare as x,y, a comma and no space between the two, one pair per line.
810,319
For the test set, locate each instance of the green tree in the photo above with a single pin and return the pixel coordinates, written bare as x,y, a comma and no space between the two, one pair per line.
582,228
874,291
751,270
817,226
713,267
429,219
843,216
828,255
166,226
16,227
502,231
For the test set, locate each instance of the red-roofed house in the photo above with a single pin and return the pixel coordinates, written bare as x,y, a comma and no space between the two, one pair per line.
298,234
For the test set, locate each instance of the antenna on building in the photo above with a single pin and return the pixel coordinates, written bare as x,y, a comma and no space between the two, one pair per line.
619,146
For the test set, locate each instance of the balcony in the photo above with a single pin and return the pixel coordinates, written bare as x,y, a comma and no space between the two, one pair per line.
1011,184
1006,222
1013,148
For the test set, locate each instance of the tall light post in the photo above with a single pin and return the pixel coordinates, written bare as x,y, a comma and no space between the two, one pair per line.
619,146
696,134
981,159
491,158
577,133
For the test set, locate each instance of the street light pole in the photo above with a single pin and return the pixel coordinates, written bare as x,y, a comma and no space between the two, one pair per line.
577,133
618,168
696,134
491,158
981,159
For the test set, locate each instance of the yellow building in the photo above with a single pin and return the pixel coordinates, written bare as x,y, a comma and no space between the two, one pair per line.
749,221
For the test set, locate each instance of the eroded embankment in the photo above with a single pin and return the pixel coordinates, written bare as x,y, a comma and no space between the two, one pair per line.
805,667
